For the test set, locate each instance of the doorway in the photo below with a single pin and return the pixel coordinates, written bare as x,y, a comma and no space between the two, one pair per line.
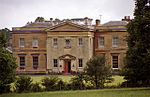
67,66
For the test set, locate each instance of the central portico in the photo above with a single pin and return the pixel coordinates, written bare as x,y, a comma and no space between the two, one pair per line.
69,47
68,59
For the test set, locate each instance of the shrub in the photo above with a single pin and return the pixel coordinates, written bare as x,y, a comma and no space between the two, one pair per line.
50,83
4,88
77,82
61,85
36,88
23,84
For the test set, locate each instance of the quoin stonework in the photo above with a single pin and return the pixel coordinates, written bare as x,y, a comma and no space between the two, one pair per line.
64,46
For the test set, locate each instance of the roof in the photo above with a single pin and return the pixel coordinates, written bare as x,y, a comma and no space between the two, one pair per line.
115,23
69,23
80,19
38,24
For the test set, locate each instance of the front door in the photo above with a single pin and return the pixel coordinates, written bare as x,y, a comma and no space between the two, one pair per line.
67,66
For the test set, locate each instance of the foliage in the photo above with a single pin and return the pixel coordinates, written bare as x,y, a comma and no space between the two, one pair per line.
137,63
50,82
3,39
98,72
61,85
67,20
36,87
23,84
7,64
77,82
39,19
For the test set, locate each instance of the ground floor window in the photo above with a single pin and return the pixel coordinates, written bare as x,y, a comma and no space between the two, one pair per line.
22,62
35,62
80,63
55,63
115,61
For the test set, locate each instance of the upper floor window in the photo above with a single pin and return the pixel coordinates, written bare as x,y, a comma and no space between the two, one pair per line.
101,41
35,42
35,62
55,43
80,62
55,63
80,42
21,42
115,61
22,62
67,43
115,42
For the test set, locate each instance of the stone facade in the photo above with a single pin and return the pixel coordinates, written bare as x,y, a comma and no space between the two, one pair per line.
66,46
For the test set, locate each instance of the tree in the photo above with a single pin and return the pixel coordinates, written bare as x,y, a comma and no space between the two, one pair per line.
39,19
7,64
67,20
137,64
98,72
3,39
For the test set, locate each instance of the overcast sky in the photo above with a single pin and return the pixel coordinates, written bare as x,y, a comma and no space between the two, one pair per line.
16,13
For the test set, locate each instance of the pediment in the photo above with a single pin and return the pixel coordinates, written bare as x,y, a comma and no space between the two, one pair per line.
67,56
67,26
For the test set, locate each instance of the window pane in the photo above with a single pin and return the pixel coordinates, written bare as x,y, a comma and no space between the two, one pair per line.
55,42
22,61
21,42
35,61
35,42
115,61
101,41
67,43
80,41
115,41
55,63
80,63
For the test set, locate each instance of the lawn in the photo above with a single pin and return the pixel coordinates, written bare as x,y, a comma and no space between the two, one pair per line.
65,78
117,79
124,92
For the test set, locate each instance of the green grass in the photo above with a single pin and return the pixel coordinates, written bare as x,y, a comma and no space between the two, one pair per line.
39,78
117,79
124,92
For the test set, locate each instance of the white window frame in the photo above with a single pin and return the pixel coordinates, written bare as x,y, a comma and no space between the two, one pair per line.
115,62
22,62
67,43
35,42
55,62
80,42
80,62
115,42
22,42
101,41
55,42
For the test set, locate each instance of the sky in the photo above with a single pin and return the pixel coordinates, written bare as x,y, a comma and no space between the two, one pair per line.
16,13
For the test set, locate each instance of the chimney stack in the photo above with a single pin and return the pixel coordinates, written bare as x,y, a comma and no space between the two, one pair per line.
86,20
126,18
98,22
51,21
